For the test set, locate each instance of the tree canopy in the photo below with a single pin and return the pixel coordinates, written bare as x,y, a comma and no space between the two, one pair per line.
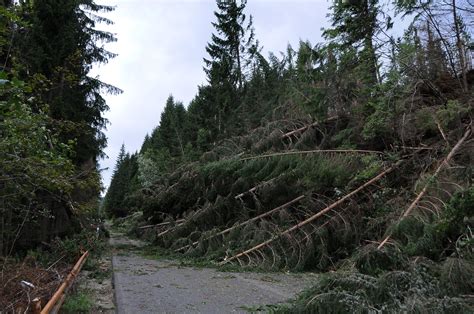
51,118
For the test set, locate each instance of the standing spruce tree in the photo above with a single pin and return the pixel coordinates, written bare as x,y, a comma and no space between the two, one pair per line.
230,52
115,191
50,118
170,133
60,47
122,185
451,26
354,24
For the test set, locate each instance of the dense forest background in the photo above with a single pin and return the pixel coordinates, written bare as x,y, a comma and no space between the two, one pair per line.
351,157
51,119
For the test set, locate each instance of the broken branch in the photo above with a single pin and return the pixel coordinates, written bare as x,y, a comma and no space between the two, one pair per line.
253,189
161,224
304,128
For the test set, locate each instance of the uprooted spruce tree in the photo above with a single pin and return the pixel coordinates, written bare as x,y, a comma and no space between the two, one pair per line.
352,158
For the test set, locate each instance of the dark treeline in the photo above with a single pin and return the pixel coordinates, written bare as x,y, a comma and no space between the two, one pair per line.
51,118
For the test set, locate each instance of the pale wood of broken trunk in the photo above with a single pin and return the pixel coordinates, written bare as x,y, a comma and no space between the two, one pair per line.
161,224
168,230
253,189
304,128
36,308
58,297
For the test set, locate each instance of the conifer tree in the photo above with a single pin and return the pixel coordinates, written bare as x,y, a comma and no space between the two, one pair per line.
201,118
48,48
450,24
146,144
123,184
170,132
61,46
112,197
354,24
230,51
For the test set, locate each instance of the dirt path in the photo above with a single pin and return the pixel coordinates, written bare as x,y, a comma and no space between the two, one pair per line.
162,286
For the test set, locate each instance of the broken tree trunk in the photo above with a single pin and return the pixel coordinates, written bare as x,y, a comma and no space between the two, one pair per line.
315,216
443,164
246,222
161,224
56,300
181,222
316,151
170,229
304,128
253,189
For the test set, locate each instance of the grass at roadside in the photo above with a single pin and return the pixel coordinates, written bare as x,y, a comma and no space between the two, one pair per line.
78,302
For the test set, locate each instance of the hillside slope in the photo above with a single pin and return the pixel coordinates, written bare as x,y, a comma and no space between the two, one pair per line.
352,158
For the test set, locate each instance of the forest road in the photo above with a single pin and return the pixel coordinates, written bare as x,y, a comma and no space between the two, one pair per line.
164,286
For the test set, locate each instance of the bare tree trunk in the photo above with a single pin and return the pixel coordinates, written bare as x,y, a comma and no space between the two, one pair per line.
443,40
180,141
245,222
369,45
460,46
8,237
239,66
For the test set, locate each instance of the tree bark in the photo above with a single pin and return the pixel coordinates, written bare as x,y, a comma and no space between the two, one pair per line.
460,46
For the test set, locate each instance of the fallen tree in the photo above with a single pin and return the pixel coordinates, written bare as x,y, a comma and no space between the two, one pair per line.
315,216
443,164
245,222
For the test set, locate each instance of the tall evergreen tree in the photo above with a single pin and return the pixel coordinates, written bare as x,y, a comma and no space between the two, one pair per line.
146,144
354,24
170,132
230,51
122,185
112,197
450,24
48,48
61,46
202,118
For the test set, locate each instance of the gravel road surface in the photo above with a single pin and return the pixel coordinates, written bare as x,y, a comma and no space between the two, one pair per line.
161,286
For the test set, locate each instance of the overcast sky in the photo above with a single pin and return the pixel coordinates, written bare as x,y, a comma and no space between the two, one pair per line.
160,47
